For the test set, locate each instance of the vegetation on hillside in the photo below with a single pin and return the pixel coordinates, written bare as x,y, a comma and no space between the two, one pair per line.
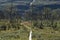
44,23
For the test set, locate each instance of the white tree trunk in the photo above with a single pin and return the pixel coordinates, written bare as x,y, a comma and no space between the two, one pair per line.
30,35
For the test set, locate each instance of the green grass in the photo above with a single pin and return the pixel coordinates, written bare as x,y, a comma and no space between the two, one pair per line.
47,33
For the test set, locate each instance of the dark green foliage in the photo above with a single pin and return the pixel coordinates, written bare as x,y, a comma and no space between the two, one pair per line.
3,27
38,25
41,25
54,26
35,24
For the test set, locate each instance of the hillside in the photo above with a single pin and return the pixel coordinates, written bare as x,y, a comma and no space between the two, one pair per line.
19,17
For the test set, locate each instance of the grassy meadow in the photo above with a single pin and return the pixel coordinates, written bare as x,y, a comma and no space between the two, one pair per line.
21,29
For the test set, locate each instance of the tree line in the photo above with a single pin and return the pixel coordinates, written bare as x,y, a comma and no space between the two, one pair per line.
33,15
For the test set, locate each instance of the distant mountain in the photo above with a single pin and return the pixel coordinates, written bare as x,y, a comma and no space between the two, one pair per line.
25,4
36,2
52,6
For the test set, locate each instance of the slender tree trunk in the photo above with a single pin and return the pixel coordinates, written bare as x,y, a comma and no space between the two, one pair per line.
30,35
